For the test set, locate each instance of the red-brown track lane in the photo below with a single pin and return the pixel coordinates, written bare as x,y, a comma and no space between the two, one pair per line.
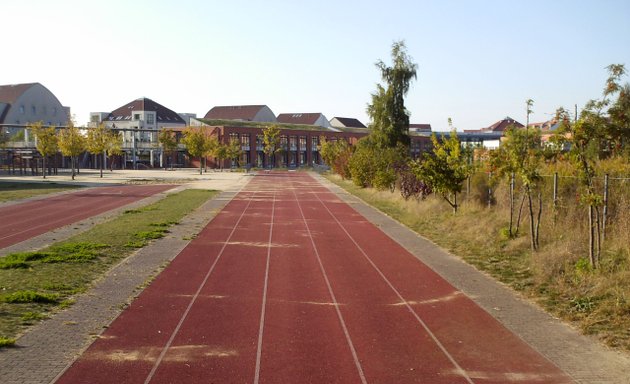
128,350
480,345
25,220
224,322
390,346
288,284
303,340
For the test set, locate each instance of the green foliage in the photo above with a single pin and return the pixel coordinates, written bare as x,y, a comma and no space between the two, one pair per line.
47,143
60,253
271,142
29,297
71,143
371,166
390,118
445,169
337,155
199,143
6,342
167,140
233,150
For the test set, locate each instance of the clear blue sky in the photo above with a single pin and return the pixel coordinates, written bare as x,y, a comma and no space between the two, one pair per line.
478,61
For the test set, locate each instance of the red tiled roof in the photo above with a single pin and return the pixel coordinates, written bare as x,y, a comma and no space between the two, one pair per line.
164,115
234,112
298,118
350,122
10,93
502,125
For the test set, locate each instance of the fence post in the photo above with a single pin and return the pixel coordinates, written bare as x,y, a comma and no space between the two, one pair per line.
555,196
605,215
490,189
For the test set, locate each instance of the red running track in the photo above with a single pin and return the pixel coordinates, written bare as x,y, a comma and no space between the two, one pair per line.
288,284
26,220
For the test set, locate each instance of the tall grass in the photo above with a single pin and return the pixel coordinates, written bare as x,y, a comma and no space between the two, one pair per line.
558,276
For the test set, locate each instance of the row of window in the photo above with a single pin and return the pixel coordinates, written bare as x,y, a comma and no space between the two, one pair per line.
290,142
44,110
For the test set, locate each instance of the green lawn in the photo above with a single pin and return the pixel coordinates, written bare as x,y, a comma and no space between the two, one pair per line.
13,191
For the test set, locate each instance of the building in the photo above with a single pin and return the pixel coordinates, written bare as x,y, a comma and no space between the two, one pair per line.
299,143
346,122
140,122
420,128
22,104
260,113
317,119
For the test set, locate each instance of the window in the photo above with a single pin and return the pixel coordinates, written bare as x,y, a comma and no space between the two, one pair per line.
302,143
245,142
33,110
136,116
21,109
150,118
314,143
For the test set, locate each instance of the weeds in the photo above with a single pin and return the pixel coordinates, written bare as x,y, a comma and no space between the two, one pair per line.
29,297
6,342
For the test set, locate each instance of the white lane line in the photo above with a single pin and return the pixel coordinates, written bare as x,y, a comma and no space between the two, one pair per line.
357,363
195,296
261,327
459,369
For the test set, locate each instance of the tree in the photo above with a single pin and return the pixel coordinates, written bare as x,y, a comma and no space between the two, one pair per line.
71,143
233,150
98,141
619,124
337,155
196,140
520,155
390,118
211,148
47,143
271,142
114,147
168,140
445,169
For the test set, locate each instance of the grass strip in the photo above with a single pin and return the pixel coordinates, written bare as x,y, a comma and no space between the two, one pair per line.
14,191
34,284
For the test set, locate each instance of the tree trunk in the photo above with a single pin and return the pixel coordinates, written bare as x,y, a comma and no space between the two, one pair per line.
511,205
532,229
102,164
520,212
591,237
72,165
540,207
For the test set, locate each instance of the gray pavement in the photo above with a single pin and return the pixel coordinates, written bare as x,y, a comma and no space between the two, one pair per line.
47,349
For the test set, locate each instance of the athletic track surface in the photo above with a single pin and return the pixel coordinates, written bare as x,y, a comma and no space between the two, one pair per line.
288,284
23,221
